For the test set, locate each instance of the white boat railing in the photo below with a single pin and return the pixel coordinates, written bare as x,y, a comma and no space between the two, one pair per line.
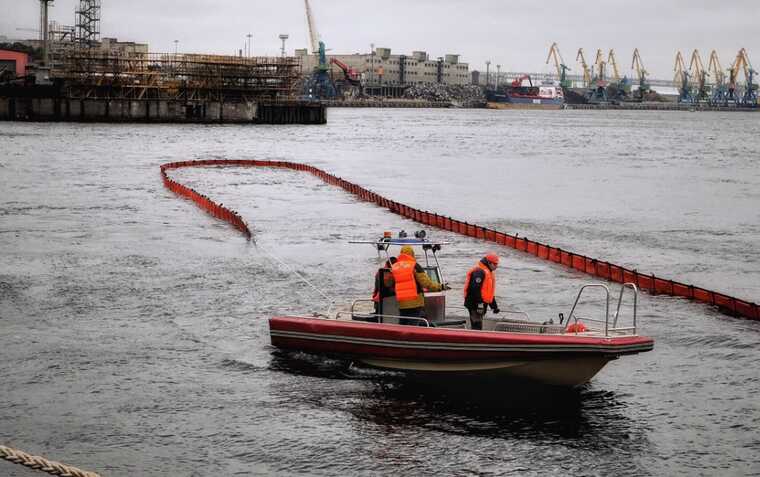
381,317
614,329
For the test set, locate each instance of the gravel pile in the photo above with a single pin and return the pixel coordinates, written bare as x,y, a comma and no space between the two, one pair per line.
464,96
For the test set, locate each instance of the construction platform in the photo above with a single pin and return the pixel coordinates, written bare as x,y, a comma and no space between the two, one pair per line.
154,87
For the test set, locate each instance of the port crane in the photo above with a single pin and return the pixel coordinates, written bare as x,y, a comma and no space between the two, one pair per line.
318,85
351,77
313,35
741,63
638,65
517,82
597,92
612,61
559,63
698,76
719,89
681,80
601,66
622,85
584,66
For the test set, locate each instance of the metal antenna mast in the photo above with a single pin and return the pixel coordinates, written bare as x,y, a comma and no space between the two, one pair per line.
44,31
283,37
313,35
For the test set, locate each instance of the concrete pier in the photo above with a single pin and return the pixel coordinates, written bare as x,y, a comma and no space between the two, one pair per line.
32,104
666,106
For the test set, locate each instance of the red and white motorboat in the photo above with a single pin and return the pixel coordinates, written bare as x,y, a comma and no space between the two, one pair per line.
568,353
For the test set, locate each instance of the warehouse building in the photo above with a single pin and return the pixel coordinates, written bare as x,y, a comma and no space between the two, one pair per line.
383,68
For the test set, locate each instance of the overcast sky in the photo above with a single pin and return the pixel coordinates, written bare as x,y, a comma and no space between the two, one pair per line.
516,35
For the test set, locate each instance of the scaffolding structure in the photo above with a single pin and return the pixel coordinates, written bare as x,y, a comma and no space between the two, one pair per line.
88,22
89,74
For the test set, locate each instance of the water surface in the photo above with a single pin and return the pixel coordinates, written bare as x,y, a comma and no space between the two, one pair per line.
134,337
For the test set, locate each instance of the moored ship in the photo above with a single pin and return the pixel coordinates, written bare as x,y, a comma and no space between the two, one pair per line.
517,95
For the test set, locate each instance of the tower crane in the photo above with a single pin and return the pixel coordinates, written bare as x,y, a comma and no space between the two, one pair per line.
559,63
584,65
638,65
698,76
681,80
719,90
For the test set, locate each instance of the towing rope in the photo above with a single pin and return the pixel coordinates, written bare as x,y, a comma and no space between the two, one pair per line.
42,464
598,268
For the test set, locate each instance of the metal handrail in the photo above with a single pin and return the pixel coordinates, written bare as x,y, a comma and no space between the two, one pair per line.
503,318
607,304
614,326
635,289
424,320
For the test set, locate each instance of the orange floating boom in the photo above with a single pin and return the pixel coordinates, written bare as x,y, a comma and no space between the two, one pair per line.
598,268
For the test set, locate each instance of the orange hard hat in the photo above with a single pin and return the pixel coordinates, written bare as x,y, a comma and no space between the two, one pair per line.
492,257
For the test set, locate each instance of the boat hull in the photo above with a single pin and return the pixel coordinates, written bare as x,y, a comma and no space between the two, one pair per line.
540,105
566,359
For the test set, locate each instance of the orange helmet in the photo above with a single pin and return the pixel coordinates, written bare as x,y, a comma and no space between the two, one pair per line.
492,257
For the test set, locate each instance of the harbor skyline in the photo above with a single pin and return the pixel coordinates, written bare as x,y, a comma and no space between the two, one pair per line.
479,31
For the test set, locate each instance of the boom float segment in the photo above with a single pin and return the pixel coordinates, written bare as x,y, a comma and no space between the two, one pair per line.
598,268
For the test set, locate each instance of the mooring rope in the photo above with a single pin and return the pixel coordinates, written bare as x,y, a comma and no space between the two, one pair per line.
281,262
598,268
42,464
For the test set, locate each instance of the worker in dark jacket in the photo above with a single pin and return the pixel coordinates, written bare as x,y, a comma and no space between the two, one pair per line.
410,281
384,286
479,289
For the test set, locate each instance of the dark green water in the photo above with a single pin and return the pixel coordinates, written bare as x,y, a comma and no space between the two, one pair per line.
134,337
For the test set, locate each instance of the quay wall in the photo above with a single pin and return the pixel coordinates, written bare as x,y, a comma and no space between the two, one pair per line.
665,106
20,108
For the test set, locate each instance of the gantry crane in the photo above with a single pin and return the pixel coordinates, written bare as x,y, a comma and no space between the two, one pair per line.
559,63
698,76
681,80
584,66
638,65
719,90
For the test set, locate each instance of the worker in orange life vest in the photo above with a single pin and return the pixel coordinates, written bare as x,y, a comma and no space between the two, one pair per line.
410,280
479,289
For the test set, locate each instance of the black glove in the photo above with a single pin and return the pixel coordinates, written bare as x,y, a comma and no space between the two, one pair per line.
496,310
494,307
445,286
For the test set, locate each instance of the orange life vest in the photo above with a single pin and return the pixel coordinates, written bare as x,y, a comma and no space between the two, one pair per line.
403,275
488,287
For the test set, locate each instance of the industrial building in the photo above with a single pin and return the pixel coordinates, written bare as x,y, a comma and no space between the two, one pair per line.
13,63
380,67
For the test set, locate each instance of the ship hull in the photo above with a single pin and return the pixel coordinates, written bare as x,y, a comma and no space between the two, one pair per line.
566,360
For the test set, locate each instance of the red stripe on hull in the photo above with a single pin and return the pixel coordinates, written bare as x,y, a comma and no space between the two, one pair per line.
410,342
